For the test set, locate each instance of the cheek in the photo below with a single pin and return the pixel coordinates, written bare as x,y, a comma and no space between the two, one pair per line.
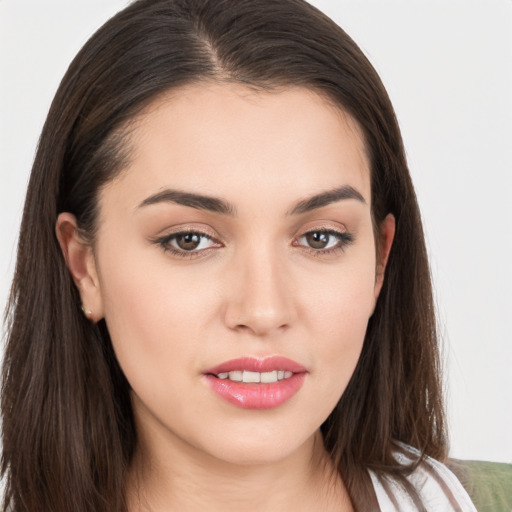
158,315
142,289
342,323
152,321
339,310
144,309
342,300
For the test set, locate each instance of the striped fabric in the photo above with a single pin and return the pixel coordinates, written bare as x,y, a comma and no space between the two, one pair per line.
438,487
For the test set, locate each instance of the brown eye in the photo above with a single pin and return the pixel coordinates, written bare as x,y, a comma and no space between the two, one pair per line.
188,241
318,239
323,241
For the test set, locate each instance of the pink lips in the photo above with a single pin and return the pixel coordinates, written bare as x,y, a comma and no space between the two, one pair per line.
257,395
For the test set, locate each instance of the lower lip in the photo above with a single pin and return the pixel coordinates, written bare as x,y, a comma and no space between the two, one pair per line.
256,396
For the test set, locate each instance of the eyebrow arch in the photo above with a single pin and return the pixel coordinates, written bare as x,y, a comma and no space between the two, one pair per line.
197,201
326,198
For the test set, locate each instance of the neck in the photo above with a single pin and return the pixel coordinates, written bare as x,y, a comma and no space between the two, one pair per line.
182,478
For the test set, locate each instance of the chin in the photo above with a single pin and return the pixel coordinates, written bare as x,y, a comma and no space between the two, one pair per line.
256,449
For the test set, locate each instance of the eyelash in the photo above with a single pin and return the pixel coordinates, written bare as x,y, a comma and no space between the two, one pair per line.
344,240
165,244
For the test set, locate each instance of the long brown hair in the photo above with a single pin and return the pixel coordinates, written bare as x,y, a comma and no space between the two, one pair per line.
68,429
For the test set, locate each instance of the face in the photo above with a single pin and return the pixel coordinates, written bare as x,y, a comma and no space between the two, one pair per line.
237,244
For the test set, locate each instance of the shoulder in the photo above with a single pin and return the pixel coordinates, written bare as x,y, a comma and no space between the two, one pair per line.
438,487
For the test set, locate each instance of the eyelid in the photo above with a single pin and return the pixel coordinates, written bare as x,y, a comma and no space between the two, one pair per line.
345,238
165,238
324,226
201,229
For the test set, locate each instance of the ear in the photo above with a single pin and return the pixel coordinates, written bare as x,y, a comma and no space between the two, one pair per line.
81,263
386,234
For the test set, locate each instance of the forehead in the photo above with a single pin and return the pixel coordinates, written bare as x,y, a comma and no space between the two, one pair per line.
227,139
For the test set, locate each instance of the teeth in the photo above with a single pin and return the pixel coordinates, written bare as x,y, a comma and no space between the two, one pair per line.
269,376
236,376
251,376
255,377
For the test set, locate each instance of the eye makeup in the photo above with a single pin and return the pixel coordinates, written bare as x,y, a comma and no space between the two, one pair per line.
196,243
324,241
188,243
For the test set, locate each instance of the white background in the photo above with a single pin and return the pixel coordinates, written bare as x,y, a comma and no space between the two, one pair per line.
448,69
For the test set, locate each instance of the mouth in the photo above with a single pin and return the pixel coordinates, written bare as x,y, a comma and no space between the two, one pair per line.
253,383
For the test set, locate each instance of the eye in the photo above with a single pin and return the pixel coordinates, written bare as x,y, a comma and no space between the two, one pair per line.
324,240
190,241
187,243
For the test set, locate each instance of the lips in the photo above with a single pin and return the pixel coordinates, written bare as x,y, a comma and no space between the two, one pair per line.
254,364
253,383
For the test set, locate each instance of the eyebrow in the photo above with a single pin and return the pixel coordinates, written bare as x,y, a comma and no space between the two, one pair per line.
326,198
197,201
217,205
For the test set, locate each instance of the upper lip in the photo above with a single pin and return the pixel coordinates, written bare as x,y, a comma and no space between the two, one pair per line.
255,364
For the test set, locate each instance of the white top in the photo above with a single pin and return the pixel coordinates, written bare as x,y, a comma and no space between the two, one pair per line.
434,483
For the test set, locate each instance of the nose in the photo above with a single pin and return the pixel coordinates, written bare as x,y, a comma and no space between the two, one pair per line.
260,299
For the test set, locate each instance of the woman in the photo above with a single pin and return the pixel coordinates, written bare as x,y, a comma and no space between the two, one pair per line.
222,298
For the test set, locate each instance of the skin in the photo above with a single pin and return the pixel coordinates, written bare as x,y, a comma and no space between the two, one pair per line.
254,287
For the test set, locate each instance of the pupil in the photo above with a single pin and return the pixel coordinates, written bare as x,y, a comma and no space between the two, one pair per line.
317,240
188,241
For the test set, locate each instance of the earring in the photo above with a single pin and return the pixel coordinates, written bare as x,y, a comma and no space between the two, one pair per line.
86,312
